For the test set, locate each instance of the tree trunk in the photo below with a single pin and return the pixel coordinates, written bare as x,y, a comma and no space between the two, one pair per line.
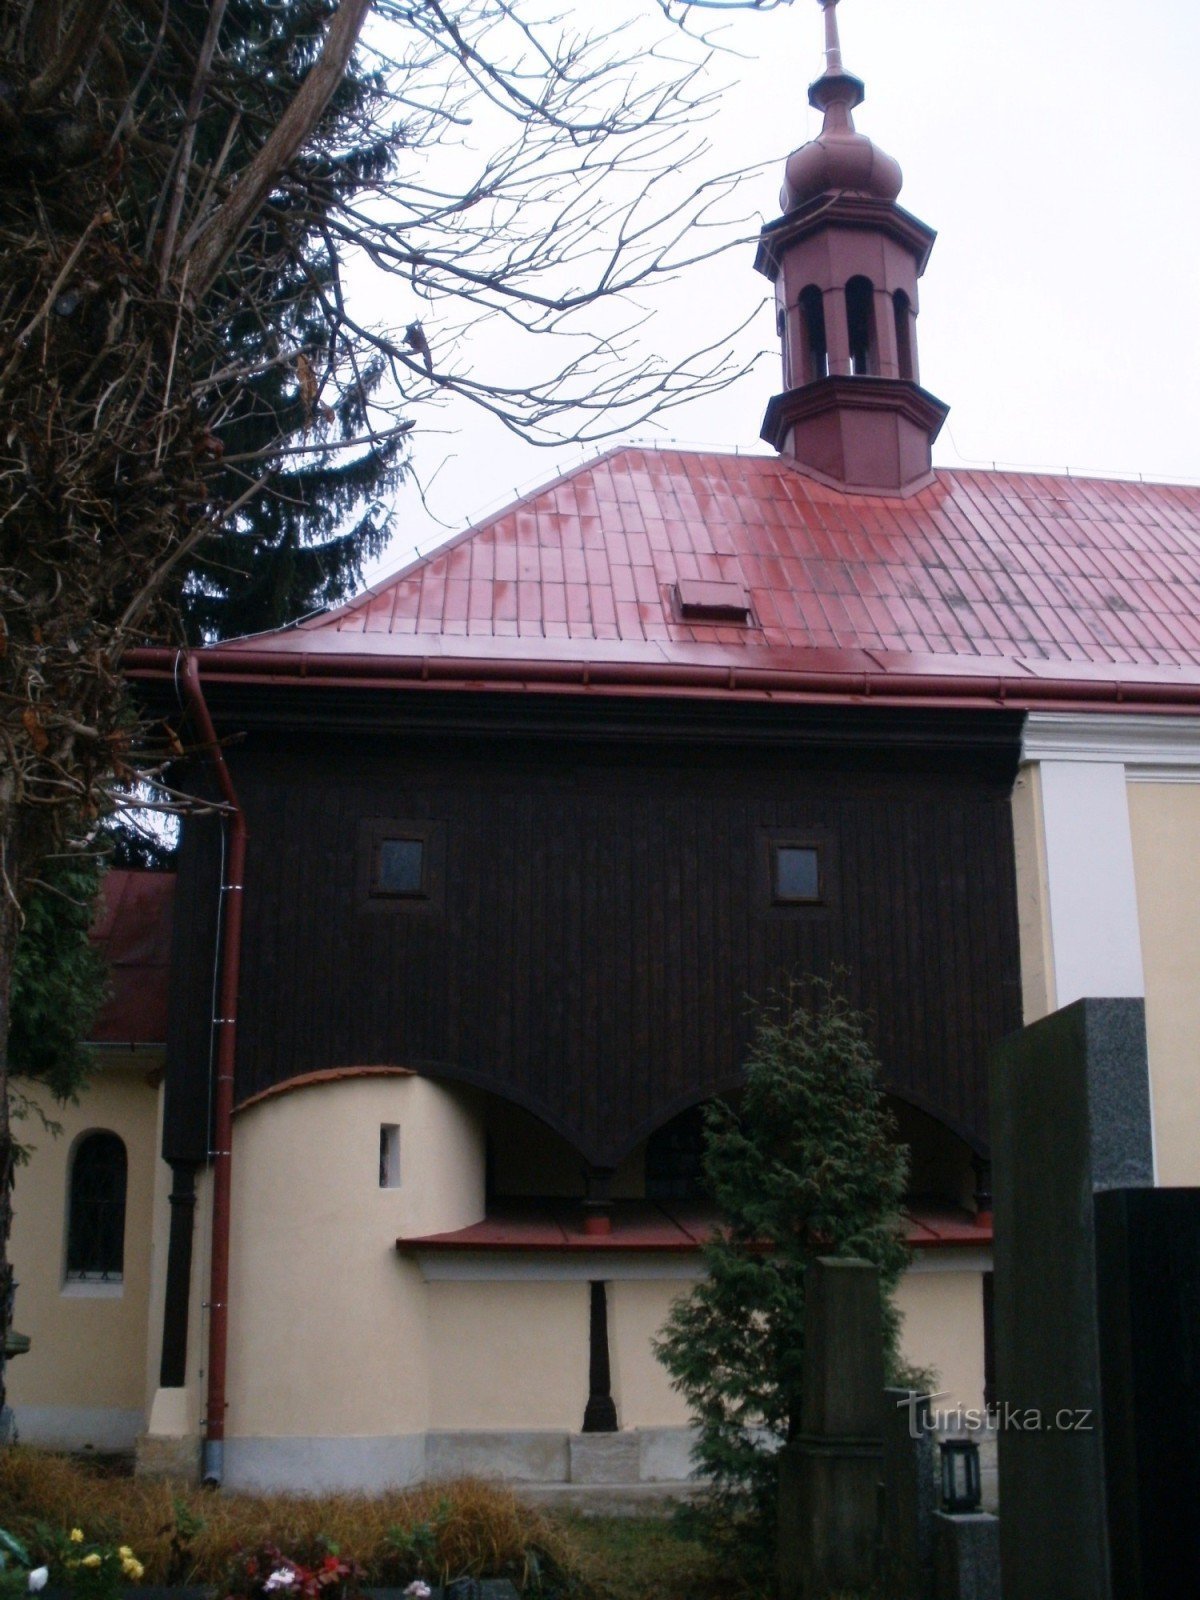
287,137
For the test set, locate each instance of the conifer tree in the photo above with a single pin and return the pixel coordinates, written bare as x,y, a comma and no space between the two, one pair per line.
809,1164
59,980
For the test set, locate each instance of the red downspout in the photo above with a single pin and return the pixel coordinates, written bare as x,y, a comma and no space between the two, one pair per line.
226,1024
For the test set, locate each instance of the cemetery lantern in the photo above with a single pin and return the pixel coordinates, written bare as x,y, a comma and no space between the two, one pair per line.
961,1491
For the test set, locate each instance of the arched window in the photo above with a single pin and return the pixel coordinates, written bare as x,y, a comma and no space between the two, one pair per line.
812,321
860,320
96,1210
903,309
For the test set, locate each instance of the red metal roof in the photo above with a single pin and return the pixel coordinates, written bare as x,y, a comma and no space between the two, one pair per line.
1046,586
541,1225
133,932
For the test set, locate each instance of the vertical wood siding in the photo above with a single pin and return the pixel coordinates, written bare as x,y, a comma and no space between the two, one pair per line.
605,917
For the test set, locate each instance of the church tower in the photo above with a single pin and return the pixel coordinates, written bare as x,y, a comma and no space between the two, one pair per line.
845,259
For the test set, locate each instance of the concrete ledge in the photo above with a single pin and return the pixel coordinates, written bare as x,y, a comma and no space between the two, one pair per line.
604,1458
79,1427
508,1455
168,1456
308,1465
665,1454
611,1499
654,1460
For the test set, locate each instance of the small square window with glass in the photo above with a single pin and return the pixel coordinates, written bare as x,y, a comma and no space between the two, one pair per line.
795,874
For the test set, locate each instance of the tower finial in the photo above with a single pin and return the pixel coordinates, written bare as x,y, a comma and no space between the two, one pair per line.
836,92
833,44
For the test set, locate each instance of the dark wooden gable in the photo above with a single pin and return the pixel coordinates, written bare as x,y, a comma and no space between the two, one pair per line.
604,911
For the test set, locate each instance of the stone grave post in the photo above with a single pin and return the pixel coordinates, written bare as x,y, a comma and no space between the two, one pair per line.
829,1476
1070,1119
910,1494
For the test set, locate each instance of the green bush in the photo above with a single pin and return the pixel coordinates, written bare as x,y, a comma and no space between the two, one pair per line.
808,1165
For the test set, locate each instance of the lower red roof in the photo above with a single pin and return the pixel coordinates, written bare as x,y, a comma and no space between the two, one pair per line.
555,1225
132,931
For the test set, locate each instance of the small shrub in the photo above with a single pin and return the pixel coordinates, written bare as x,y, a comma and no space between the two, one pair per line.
809,1165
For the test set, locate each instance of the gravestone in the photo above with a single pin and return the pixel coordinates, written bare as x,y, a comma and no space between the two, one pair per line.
1070,1119
1148,1260
829,1475
910,1494
966,1556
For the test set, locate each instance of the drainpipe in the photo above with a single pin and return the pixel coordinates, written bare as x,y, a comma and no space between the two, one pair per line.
225,1023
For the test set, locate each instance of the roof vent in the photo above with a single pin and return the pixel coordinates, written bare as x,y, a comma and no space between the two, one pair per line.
709,601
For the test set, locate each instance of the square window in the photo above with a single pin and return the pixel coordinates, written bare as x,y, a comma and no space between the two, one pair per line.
400,867
796,877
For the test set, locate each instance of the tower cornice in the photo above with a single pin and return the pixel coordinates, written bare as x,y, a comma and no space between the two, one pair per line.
847,210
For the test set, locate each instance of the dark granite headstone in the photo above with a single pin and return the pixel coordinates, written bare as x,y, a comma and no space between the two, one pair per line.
966,1553
1070,1118
910,1494
1148,1260
829,1475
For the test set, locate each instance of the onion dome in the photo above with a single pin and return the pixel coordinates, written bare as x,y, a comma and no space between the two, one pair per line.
839,158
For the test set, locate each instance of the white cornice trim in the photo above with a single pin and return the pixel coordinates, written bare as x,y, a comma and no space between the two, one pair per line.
1153,749
947,1258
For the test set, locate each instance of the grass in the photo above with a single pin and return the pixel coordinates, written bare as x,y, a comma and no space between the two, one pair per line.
641,1558
432,1531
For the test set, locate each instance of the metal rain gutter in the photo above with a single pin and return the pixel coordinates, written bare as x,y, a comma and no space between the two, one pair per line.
232,893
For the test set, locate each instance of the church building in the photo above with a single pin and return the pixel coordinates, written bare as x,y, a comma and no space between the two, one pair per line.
391,1169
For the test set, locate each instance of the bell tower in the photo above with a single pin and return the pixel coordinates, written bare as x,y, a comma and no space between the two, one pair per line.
845,259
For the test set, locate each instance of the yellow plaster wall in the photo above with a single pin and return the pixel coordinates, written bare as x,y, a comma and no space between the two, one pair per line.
943,1330
327,1322
1165,824
637,1312
88,1350
1033,898
508,1355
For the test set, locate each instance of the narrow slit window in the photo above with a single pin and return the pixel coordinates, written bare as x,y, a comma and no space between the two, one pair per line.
389,1155
96,1210
400,868
796,874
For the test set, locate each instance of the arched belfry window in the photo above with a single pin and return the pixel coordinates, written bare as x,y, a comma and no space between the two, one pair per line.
902,307
812,327
860,322
96,1210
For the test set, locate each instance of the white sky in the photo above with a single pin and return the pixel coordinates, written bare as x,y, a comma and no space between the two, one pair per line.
1052,143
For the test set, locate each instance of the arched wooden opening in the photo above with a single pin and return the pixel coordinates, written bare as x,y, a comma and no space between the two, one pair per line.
860,324
815,345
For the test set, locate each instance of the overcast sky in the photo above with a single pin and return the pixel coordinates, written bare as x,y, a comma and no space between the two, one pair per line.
1053,146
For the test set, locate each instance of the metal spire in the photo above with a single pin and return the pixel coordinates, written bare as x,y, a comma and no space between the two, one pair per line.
836,92
833,44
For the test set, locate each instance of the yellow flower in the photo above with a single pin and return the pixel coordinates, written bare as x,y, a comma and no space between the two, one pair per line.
76,1536
90,1561
132,1568
125,1553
